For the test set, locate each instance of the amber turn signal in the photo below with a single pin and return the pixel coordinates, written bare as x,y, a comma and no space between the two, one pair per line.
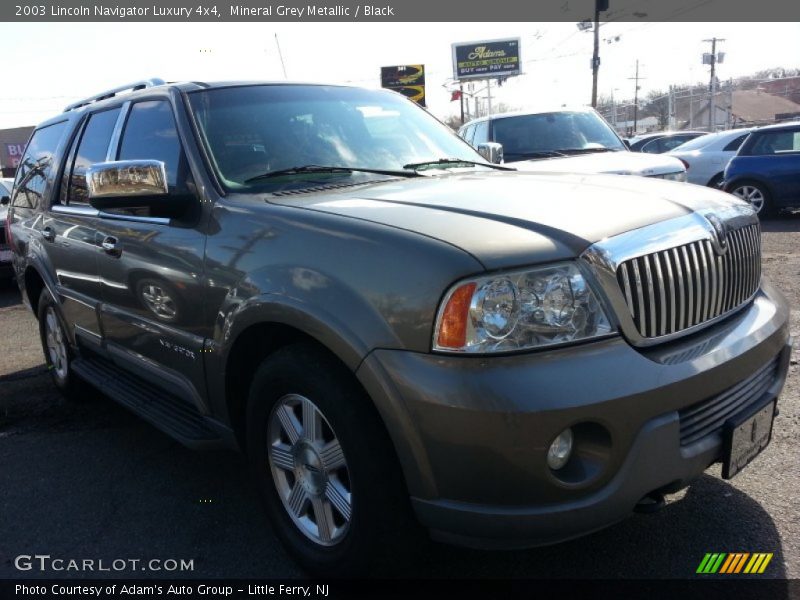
453,324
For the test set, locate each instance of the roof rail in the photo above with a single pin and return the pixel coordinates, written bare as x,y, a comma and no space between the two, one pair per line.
132,87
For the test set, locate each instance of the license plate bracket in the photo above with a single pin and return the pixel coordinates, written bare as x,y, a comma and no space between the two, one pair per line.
745,437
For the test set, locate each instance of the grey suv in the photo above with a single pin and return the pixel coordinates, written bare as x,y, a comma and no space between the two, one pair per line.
395,331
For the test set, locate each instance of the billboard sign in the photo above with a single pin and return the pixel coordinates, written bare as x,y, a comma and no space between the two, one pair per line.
409,80
486,60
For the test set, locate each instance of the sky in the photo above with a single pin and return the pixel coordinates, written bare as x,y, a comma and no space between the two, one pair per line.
49,65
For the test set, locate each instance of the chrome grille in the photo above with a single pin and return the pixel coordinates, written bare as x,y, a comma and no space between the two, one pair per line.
681,287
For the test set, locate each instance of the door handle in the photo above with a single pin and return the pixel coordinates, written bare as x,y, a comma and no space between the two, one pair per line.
109,245
49,234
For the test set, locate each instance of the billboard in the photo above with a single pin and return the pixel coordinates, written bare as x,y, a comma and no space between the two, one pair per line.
487,59
409,80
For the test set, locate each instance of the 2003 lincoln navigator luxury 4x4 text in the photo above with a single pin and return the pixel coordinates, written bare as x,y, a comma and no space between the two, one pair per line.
391,327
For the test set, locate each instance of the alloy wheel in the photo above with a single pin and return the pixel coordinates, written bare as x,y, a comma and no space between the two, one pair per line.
56,344
309,470
751,194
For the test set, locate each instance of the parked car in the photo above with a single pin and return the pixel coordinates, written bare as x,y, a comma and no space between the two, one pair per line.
392,329
766,170
707,156
565,140
6,271
662,141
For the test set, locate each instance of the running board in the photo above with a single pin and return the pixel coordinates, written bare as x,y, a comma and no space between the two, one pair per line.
169,413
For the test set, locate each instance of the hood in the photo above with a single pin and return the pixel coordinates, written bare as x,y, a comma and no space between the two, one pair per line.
510,218
618,163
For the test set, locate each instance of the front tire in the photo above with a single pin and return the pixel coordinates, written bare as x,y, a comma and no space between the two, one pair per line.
324,464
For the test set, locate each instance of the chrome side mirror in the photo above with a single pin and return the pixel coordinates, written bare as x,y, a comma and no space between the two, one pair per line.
491,151
125,181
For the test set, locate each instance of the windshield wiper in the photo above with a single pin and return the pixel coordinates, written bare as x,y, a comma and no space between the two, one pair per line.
449,162
587,150
329,169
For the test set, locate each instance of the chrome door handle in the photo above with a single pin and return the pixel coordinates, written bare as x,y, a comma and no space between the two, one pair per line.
109,245
49,234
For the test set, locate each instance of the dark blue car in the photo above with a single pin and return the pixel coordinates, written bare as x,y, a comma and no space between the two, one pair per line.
766,170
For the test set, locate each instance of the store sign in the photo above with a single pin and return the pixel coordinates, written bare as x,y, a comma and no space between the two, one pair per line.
486,60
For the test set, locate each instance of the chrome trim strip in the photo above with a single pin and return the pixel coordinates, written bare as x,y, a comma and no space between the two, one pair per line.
689,286
135,219
74,211
116,134
86,211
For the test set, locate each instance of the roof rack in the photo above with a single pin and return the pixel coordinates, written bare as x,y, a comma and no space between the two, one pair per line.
131,87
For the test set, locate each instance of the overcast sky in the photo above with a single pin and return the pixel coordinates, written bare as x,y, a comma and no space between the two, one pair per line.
49,65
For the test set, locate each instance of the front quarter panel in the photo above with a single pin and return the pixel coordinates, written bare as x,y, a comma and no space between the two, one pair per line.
352,285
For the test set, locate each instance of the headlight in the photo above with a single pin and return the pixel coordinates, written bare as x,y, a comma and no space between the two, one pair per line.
677,176
519,310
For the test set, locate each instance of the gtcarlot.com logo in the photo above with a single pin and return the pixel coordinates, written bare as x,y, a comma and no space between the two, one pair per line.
733,563
45,562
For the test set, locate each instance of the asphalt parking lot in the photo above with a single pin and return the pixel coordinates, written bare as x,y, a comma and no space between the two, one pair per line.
91,480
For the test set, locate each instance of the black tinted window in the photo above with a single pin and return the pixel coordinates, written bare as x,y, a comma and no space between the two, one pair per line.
150,133
92,149
733,145
37,165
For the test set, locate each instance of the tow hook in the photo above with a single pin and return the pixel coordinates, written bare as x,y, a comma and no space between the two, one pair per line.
651,503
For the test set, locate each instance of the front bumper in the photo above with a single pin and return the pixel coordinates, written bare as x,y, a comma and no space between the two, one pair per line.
472,432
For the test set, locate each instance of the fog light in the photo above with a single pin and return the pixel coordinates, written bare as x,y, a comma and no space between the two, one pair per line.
560,450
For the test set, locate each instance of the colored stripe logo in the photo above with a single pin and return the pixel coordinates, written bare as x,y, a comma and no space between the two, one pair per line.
735,562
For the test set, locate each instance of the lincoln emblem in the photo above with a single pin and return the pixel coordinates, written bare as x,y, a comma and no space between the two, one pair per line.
720,238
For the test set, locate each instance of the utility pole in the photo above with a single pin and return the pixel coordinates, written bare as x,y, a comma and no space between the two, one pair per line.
461,100
636,78
712,59
599,5
280,54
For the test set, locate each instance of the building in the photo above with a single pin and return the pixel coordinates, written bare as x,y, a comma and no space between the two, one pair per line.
740,108
12,144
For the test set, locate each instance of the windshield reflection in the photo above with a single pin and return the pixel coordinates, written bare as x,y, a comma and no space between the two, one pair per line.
256,129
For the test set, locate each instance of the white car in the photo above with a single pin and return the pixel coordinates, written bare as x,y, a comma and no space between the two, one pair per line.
575,140
706,157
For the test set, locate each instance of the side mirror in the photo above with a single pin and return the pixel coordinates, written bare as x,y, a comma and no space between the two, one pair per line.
5,201
491,151
627,143
127,184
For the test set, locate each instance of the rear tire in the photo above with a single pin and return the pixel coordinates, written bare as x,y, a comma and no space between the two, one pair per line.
58,353
324,465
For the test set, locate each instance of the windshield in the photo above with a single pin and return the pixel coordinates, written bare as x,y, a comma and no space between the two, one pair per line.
532,136
258,130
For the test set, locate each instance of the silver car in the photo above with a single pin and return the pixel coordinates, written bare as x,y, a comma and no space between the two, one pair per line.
706,157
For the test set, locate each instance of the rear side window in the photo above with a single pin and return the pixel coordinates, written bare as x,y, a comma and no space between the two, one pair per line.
468,133
37,165
734,144
92,148
150,133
